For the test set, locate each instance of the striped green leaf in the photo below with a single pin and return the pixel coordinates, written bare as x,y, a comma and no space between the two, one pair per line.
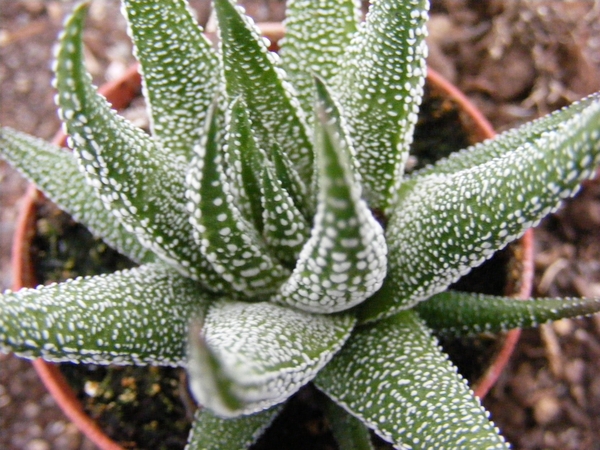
317,34
210,432
55,171
252,73
344,261
244,162
459,313
136,178
286,230
231,243
393,376
380,87
249,356
137,316
292,183
444,225
180,70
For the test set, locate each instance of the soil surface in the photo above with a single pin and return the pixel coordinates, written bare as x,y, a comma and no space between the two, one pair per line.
516,59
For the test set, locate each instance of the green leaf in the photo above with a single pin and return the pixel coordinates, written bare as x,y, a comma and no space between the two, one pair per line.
244,162
291,182
285,230
252,72
137,316
380,86
55,171
520,137
393,376
317,35
210,432
444,225
460,313
231,243
344,261
139,181
272,353
180,70
349,432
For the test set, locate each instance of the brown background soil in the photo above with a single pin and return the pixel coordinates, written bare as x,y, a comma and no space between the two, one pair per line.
516,59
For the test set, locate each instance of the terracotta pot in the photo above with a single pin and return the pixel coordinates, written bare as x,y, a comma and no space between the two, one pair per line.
120,93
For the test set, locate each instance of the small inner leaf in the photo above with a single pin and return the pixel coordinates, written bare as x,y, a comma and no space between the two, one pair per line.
231,243
251,72
210,432
244,163
274,351
349,432
291,181
344,261
285,230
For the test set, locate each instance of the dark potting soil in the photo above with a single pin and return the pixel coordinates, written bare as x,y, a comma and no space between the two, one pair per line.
150,407
140,407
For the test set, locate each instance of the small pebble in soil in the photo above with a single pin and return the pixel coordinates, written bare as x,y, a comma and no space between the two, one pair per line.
546,409
37,444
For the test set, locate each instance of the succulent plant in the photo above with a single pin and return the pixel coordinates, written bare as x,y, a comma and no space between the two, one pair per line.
252,210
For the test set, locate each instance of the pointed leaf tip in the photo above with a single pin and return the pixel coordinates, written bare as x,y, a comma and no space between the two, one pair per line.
253,73
179,70
344,261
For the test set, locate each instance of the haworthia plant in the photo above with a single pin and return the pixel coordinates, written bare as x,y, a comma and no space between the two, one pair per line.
278,239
